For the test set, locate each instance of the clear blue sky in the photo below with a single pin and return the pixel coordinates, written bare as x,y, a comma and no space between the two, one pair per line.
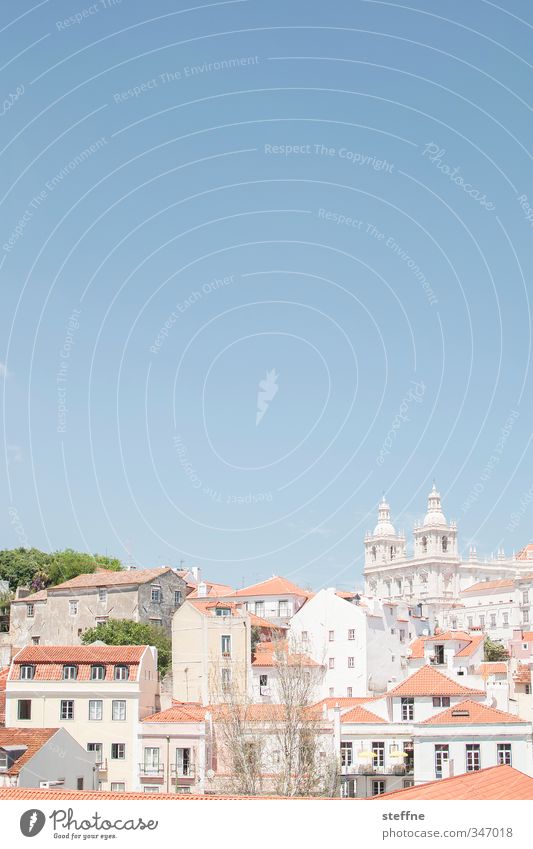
262,261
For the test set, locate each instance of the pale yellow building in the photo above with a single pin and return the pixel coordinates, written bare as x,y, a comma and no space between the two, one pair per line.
98,693
211,651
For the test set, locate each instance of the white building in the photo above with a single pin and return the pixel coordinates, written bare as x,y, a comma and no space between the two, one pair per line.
435,573
495,607
276,599
363,643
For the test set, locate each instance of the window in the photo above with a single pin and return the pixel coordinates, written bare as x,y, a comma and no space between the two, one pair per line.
505,618
223,611
525,597
260,608
24,709
378,788
331,691
157,622
378,754
35,641
473,757
346,754
445,543
283,609
3,760
27,672
97,749
482,621
424,543
95,708
331,636
331,663
470,621
225,641
151,789
118,751
118,787
442,756
441,701
408,709
183,762
97,672
79,784
503,751
102,595
402,635
525,617
155,596
101,620
118,709
492,620
225,675
351,634
178,597
349,692
66,709
122,673
527,689
30,610
305,636
70,672
351,662
151,760
408,782
73,608
438,654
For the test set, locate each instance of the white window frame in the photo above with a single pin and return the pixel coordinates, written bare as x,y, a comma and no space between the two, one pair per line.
27,672
66,706
119,710
351,662
119,670
506,750
30,610
225,645
121,747
92,703
102,595
101,668
156,595
73,607
70,672
351,633
473,757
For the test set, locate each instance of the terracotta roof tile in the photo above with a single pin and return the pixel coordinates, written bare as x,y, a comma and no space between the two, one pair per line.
259,622
208,606
522,674
179,712
49,660
42,595
473,713
274,586
265,655
496,782
360,714
108,578
488,585
473,640
344,702
33,738
32,793
428,681
213,590
492,668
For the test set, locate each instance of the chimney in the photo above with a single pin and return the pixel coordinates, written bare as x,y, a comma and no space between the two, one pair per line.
195,572
202,589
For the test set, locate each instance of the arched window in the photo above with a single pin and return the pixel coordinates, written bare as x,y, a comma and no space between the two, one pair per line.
374,552
445,543
392,552
424,543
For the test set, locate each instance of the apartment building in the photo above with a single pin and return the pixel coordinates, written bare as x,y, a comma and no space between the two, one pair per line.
428,727
211,651
59,615
45,757
266,663
276,599
174,747
362,641
97,693
496,608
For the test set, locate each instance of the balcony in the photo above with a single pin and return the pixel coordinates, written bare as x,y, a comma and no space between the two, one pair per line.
369,769
183,771
156,772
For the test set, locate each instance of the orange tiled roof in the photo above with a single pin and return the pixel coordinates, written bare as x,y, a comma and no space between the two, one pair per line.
213,591
496,782
265,655
417,646
360,714
179,712
274,586
259,622
266,712
525,553
343,701
33,738
32,793
476,714
208,606
428,681
49,660
522,674
42,595
526,637
108,578
497,667
488,585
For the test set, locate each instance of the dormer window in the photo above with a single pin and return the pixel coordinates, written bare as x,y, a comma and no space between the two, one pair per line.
97,672
122,672
27,672
70,672
223,611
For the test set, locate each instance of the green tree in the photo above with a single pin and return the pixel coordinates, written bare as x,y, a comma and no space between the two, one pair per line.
126,632
30,567
67,564
495,651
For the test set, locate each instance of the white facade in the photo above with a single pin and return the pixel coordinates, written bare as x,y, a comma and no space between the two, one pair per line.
362,646
435,574
496,607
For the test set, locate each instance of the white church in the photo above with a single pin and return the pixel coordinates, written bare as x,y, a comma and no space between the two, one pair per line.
435,573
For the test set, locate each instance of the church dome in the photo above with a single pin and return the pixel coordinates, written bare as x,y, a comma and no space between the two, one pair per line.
384,526
434,515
